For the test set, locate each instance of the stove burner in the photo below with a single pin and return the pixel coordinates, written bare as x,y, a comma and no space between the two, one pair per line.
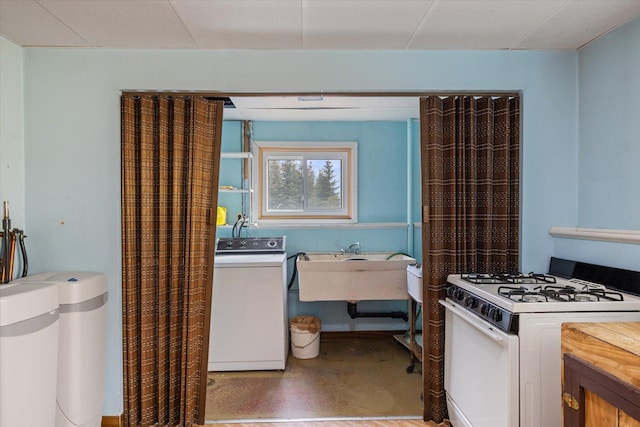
530,297
528,293
523,293
598,294
585,297
560,293
507,278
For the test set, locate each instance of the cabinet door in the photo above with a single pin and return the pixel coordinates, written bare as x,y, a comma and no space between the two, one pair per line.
595,398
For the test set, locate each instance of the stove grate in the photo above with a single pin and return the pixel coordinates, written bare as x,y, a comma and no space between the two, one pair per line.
507,278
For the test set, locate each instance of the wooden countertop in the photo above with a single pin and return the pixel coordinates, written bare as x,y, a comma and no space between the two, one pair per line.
614,347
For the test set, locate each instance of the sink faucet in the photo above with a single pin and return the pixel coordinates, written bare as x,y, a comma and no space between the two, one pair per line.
354,248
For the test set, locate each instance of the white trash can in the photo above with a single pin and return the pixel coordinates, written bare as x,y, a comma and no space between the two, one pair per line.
305,337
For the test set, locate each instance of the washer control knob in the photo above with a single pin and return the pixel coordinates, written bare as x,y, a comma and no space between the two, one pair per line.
229,243
271,243
243,243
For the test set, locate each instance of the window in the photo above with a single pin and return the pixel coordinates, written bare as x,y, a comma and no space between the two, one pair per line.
306,181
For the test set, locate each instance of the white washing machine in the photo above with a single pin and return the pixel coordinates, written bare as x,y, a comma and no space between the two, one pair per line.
28,354
249,321
82,345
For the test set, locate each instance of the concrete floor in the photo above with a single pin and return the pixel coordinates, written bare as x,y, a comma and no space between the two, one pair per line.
363,377
347,423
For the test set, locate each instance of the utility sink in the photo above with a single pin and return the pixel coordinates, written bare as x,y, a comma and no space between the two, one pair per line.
353,277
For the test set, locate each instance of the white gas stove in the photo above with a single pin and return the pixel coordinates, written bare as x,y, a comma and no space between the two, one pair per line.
502,342
499,298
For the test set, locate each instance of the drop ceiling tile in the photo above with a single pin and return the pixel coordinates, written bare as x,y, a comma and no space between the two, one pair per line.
337,114
123,23
580,22
28,24
311,101
356,24
491,24
313,24
272,102
233,114
347,101
332,107
397,102
246,24
242,102
393,114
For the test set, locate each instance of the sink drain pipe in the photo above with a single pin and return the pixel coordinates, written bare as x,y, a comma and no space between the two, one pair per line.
352,308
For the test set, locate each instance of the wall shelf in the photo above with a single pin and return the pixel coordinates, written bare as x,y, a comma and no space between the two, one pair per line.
245,190
599,234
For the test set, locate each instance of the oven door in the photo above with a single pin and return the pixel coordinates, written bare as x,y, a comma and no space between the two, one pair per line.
480,371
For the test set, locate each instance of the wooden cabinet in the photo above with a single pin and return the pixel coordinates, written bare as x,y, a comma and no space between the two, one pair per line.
601,374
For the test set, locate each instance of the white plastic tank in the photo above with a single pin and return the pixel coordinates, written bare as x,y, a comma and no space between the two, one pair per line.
29,322
82,345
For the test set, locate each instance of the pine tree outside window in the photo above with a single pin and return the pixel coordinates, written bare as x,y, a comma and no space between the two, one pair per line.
306,181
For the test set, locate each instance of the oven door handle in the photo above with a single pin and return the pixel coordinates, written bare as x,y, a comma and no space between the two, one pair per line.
488,331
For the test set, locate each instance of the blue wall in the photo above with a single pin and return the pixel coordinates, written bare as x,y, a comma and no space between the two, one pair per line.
72,140
382,202
609,148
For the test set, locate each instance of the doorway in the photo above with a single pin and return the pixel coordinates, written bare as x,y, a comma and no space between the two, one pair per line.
340,352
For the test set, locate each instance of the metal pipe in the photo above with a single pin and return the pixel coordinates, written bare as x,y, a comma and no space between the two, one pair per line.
410,228
352,309
6,228
12,253
2,257
23,250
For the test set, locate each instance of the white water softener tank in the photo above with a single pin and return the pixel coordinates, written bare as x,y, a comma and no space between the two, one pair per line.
28,354
82,345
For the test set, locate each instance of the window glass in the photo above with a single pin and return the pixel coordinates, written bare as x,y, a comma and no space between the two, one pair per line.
306,182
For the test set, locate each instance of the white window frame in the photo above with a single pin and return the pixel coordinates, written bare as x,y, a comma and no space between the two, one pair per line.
263,150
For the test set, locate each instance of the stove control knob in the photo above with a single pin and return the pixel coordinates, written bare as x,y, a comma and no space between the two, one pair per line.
450,291
484,309
471,302
458,294
495,314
